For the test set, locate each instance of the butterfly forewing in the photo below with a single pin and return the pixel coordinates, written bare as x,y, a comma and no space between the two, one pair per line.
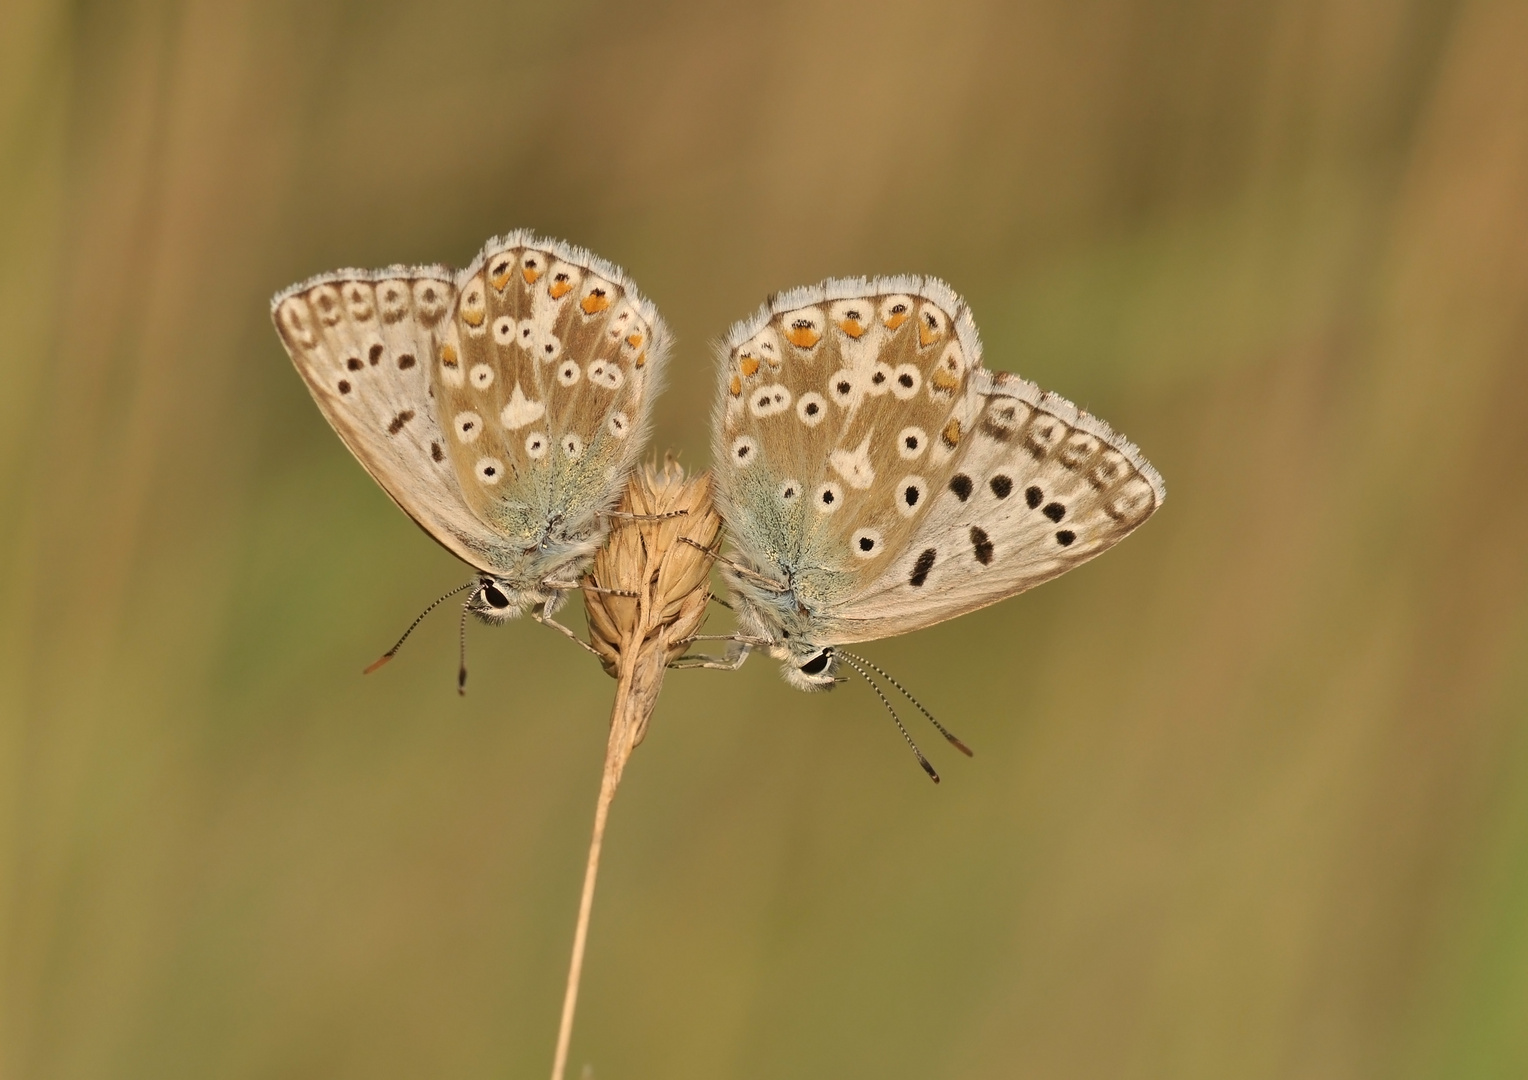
869,461
365,344
1035,488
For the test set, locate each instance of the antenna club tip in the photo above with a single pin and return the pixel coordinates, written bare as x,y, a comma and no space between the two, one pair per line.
962,747
374,665
932,775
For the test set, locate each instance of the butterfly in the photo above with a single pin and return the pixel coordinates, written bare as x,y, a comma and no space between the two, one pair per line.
875,479
501,406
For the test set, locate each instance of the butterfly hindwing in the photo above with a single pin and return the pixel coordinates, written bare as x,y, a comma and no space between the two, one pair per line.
548,397
836,406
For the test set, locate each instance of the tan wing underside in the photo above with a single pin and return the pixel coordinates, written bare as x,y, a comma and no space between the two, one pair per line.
1044,494
888,374
542,381
365,349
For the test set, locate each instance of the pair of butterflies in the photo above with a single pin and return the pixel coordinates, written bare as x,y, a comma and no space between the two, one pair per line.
873,477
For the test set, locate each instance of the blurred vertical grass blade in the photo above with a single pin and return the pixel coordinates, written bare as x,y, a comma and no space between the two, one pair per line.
1249,797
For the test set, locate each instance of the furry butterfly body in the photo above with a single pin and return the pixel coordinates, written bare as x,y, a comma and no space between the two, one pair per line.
501,406
876,479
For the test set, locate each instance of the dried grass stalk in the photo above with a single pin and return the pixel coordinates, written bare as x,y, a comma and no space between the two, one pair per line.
663,588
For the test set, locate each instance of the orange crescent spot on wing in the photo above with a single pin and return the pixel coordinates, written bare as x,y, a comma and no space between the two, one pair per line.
448,355
474,319
634,340
641,359
951,434
896,319
945,380
803,337
595,301
559,289
927,334
853,327
500,281
749,367
737,386
530,274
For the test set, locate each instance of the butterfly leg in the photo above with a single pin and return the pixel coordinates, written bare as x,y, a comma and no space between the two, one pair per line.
714,663
742,646
738,568
544,619
624,516
573,586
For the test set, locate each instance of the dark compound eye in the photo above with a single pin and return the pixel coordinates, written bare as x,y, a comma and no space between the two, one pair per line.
815,665
495,598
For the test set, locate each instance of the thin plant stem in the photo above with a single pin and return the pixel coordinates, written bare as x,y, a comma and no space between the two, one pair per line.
616,750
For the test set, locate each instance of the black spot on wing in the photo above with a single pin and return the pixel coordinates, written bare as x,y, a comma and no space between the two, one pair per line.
1001,486
398,421
1033,496
1055,511
960,484
922,567
374,355
1065,537
436,453
981,547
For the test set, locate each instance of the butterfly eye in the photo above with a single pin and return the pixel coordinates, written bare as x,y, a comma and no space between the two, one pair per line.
495,597
817,664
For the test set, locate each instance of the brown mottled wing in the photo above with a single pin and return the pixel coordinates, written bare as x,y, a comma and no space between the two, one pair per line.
544,385
365,343
857,432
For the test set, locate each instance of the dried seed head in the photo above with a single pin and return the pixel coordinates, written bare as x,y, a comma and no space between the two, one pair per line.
656,560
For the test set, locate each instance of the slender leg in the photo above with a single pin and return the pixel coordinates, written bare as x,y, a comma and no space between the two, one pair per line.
750,642
738,568
547,620
573,586
715,663
624,516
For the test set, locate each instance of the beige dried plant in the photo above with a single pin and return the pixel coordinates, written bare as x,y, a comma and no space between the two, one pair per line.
645,596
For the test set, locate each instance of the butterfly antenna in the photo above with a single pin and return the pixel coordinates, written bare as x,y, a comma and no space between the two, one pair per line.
946,732
894,717
390,653
461,672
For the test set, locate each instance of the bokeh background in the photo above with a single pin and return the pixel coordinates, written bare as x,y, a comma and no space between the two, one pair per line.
1251,791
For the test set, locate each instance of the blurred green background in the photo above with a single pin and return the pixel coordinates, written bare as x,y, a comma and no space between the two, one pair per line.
1251,792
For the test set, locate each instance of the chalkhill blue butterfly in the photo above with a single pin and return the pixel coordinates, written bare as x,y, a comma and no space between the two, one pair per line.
875,479
501,406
